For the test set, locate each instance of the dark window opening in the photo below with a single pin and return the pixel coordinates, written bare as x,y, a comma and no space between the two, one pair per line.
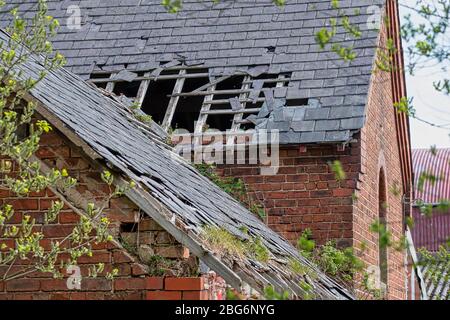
188,107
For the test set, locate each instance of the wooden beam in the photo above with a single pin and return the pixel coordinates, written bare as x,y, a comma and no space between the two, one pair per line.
111,83
203,117
204,93
172,106
160,77
229,111
160,214
210,84
142,92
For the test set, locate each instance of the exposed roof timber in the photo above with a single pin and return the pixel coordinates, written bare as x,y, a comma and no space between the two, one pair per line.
172,106
159,77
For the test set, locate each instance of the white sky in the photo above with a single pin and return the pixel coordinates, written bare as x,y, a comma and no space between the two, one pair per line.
430,105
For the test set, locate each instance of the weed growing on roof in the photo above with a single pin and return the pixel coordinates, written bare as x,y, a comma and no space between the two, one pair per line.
259,250
271,294
307,290
341,263
225,243
139,115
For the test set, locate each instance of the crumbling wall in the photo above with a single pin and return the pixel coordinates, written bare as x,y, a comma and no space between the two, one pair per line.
173,275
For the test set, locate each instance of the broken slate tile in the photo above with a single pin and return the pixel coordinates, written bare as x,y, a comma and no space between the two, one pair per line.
235,104
125,75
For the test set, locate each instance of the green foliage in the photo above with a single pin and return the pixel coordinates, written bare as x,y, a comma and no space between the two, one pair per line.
30,38
437,266
325,36
339,263
405,106
427,41
259,250
337,169
271,294
336,262
139,115
305,244
225,243
158,265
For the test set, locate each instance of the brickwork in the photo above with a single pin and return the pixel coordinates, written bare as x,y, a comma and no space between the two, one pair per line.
305,194
136,278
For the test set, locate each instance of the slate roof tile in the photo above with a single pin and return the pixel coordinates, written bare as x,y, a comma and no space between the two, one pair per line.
227,36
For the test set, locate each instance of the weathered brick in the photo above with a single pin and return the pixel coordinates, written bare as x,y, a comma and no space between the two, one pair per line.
183,284
154,283
195,295
163,295
23,285
172,252
130,284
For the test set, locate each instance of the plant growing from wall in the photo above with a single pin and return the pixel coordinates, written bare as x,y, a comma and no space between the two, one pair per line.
22,250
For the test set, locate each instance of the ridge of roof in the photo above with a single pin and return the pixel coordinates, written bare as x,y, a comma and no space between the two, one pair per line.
169,189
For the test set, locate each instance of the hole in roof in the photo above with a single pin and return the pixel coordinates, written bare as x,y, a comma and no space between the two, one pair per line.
188,108
98,75
271,49
297,102
156,100
220,122
128,89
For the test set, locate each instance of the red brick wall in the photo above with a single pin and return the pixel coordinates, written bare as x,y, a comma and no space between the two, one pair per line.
380,150
134,280
304,192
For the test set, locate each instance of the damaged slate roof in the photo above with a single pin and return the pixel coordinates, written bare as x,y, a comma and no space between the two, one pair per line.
234,35
172,192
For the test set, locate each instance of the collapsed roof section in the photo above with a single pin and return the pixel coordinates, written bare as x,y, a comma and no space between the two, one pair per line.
169,189
216,62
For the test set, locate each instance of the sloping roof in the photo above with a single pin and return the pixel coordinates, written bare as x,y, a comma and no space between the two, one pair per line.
432,231
246,36
169,189
433,162
437,279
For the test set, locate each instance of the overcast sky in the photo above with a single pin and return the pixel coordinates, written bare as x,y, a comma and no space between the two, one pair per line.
430,105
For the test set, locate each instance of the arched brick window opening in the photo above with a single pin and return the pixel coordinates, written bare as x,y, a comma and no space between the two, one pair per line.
382,208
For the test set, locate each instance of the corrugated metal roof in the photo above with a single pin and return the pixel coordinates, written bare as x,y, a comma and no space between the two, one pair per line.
437,274
436,163
430,232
